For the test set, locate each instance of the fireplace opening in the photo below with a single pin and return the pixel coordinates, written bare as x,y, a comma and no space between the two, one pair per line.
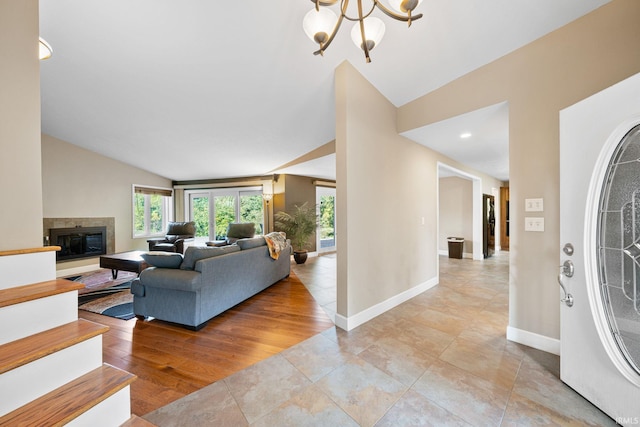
79,242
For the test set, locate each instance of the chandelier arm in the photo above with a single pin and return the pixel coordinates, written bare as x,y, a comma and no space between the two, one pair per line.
394,15
360,15
364,40
335,30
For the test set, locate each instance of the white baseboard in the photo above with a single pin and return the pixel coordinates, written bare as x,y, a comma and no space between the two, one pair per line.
351,322
540,342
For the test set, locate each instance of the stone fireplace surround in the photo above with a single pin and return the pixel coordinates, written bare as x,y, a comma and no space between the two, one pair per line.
109,222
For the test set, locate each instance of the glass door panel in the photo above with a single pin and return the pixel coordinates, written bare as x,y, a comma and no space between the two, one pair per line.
251,209
326,200
224,209
199,210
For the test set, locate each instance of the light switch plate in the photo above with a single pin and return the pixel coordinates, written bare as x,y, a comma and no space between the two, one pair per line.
533,205
533,224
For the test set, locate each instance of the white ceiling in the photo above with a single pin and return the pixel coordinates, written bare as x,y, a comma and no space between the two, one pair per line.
198,89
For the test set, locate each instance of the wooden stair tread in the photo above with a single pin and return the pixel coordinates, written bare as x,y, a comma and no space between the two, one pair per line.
71,400
136,421
28,349
25,293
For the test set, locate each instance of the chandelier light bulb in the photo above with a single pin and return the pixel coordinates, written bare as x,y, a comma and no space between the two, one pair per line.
404,6
44,49
373,32
318,24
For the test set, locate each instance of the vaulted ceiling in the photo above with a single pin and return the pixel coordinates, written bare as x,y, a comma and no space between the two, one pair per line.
199,89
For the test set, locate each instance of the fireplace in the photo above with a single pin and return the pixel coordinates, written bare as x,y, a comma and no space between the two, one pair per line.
79,242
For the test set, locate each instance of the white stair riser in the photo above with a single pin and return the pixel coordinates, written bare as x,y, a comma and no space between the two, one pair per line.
113,411
30,317
28,382
24,269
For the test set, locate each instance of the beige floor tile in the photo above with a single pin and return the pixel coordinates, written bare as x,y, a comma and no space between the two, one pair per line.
414,410
540,384
475,400
401,361
445,322
309,408
522,412
212,405
362,391
498,366
265,385
317,356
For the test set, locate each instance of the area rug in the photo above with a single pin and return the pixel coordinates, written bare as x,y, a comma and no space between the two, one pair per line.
101,279
115,301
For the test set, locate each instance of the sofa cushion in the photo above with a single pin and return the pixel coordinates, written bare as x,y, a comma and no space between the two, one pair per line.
163,259
241,230
194,253
251,243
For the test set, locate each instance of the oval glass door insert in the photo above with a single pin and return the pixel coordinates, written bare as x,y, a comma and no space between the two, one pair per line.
618,243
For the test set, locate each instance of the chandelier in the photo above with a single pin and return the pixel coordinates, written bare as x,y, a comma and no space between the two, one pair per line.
322,24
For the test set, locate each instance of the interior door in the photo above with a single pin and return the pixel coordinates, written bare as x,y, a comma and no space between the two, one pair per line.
599,270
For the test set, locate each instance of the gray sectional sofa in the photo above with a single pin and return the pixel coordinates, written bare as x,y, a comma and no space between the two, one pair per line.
207,281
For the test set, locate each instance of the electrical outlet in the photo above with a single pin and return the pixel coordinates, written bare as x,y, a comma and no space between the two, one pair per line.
533,205
533,224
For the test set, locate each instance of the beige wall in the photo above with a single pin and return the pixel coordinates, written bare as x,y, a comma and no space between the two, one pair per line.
538,80
91,186
455,212
386,185
298,190
21,188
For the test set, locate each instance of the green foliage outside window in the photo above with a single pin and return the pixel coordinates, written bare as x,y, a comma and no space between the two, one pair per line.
200,215
251,210
327,217
225,209
138,207
156,208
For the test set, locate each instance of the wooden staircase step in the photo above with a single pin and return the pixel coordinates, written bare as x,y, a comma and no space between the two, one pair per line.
26,350
20,294
136,421
71,400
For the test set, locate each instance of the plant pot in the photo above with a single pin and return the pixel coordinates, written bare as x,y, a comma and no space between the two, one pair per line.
300,256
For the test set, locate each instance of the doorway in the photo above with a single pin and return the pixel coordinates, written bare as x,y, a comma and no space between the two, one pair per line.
326,209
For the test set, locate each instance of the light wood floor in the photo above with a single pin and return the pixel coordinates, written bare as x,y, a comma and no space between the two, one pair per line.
171,361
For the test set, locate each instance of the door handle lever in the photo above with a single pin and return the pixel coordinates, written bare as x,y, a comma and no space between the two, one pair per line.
568,298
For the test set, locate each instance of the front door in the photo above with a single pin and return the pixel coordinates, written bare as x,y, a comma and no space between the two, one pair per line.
599,272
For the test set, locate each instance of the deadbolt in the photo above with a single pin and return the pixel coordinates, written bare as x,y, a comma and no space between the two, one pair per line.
568,249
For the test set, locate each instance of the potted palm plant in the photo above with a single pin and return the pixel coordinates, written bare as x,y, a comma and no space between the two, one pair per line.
299,225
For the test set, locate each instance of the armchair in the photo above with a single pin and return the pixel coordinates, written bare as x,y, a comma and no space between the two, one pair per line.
235,231
173,241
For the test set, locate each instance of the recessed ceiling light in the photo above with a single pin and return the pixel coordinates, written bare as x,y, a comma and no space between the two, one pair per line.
465,135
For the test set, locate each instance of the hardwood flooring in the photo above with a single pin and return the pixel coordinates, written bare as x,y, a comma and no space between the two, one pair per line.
172,361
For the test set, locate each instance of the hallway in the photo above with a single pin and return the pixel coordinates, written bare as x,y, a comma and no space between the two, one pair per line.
439,359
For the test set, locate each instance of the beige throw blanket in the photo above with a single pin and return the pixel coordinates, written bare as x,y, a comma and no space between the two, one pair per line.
276,242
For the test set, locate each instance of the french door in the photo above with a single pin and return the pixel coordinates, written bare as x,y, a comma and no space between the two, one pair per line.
599,272
214,210
326,205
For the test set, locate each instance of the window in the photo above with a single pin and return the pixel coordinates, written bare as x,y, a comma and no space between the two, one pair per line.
151,210
214,210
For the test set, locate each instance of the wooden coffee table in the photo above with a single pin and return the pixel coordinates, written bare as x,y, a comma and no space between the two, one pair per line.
125,261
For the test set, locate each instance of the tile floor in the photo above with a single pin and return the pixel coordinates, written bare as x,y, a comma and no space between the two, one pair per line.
440,359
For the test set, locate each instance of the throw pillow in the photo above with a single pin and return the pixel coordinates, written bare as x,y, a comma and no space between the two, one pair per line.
163,259
194,254
251,243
